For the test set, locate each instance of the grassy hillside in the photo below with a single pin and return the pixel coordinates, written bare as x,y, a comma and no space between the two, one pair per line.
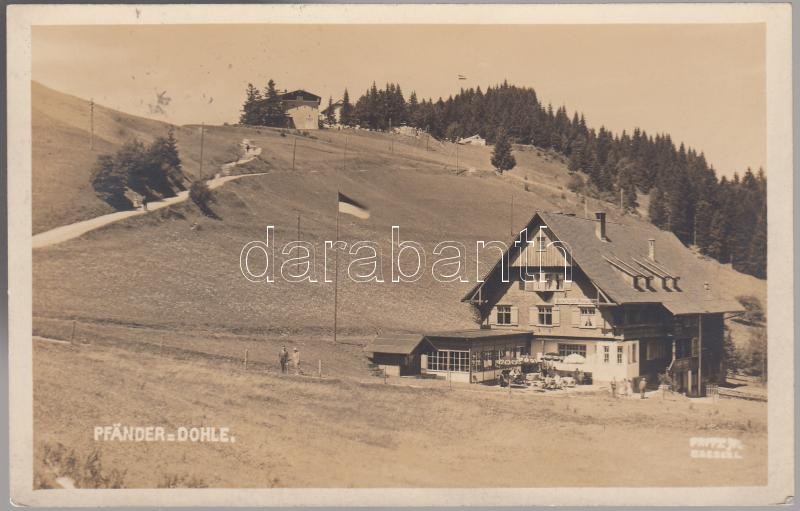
302,431
177,268
63,159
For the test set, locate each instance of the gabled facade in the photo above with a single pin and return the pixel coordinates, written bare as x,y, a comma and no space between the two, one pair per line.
630,300
302,107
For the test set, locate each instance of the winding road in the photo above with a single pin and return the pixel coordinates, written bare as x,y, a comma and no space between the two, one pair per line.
72,231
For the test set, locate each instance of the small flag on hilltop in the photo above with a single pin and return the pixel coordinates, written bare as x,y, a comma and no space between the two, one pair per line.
352,207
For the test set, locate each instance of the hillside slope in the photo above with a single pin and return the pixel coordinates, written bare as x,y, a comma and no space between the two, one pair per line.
178,269
62,157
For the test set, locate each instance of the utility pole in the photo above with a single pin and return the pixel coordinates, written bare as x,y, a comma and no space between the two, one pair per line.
512,215
202,136
699,356
336,277
298,239
91,124
344,158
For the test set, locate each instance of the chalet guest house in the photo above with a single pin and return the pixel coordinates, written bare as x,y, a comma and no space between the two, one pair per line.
637,304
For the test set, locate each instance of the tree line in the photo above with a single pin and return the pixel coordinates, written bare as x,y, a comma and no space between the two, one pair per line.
263,108
724,218
153,171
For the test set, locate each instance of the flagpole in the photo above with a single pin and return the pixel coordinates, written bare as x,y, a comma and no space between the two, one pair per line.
336,274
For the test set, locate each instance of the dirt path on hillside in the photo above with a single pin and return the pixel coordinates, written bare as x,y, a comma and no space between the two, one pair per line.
77,229
250,153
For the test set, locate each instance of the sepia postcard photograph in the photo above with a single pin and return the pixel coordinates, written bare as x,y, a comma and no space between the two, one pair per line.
400,255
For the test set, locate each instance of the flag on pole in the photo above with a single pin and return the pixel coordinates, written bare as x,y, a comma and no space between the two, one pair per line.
352,207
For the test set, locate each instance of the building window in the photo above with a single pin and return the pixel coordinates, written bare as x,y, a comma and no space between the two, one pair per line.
448,360
587,317
553,281
605,354
569,349
620,352
545,315
503,314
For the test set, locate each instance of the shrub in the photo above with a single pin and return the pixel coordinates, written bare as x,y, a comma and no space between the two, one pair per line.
754,311
109,182
203,196
181,481
151,171
84,473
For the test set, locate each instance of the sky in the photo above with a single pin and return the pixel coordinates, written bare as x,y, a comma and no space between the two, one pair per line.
702,84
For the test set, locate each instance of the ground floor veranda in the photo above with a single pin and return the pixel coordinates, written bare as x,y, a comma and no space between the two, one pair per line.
481,356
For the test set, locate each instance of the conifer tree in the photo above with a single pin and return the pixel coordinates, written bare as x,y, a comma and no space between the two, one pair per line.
273,113
502,158
330,115
251,108
346,112
658,208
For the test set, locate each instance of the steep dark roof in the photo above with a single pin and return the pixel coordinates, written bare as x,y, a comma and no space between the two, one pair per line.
626,249
307,96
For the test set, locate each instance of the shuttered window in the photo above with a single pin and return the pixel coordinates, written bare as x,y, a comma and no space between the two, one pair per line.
506,315
545,315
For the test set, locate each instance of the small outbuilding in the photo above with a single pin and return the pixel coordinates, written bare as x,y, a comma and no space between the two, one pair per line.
398,354
473,140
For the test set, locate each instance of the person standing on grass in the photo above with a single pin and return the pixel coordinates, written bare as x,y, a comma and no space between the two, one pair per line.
283,355
296,361
614,388
642,386
144,202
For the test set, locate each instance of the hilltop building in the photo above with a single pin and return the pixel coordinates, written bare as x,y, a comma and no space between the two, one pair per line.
473,140
335,108
620,301
302,108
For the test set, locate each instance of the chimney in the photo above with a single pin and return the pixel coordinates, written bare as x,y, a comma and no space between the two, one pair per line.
600,226
651,249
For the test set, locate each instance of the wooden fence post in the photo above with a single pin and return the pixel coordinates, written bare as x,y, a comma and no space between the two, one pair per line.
72,337
245,360
319,363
